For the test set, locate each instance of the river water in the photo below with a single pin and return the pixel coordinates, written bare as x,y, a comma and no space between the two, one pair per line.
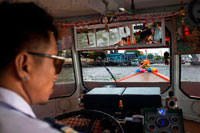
99,73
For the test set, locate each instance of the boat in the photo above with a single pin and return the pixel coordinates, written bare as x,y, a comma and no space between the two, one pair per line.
145,74
89,30
145,77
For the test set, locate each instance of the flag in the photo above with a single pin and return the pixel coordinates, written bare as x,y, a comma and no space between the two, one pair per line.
146,53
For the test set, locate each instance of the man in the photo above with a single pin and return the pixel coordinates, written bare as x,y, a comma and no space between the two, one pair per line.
166,57
28,66
146,37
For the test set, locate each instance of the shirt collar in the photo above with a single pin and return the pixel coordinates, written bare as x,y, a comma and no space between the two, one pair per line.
14,100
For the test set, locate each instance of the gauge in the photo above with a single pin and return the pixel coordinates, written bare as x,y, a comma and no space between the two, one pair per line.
174,119
151,118
162,122
151,127
175,128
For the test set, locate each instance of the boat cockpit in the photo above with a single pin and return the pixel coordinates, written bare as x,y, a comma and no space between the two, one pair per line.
131,66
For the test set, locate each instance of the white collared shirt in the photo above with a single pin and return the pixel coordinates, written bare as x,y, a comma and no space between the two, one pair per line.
16,115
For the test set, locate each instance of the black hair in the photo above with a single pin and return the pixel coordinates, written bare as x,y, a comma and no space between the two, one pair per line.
108,18
114,17
166,54
124,38
144,34
23,26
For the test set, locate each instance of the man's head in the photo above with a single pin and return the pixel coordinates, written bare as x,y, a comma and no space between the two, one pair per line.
24,28
146,37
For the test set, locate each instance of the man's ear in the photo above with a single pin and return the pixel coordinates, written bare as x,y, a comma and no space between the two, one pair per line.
23,64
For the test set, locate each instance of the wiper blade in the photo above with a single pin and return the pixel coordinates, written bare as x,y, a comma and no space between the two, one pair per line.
99,58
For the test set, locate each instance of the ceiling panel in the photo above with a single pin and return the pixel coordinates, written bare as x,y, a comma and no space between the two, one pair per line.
68,8
157,3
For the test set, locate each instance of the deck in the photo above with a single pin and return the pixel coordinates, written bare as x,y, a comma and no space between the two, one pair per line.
144,77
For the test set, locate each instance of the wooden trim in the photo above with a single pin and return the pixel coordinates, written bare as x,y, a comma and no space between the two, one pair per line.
162,76
191,126
128,76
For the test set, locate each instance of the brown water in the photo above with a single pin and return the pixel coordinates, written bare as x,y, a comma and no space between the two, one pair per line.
99,73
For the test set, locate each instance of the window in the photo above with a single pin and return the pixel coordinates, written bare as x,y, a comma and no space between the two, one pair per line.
123,35
65,84
124,65
114,36
124,31
190,73
102,38
67,73
85,38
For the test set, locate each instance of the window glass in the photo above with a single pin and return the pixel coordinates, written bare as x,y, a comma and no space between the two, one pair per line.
67,73
190,74
102,37
150,62
85,38
124,31
114,36
65,83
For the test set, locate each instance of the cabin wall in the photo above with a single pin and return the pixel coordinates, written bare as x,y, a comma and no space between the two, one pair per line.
57,106
190,107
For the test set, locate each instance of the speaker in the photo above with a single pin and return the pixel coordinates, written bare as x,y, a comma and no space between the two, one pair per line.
105,99
136,98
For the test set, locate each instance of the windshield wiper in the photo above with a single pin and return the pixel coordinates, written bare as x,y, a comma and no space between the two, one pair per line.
99,58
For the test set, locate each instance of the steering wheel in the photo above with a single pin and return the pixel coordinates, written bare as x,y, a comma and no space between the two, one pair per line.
91,121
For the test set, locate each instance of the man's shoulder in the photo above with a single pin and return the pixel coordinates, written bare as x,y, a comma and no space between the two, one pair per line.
14,121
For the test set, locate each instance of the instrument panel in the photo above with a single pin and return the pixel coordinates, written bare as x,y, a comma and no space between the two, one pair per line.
163,121
137,109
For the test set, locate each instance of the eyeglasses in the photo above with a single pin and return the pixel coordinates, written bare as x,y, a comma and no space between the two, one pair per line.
58,60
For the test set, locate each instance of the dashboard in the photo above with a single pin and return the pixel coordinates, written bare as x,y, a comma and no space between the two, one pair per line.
137,109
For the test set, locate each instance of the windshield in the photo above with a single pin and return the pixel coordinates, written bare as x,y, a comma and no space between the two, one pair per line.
126,66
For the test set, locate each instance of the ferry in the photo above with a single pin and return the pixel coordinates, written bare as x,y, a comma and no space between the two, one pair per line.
93,97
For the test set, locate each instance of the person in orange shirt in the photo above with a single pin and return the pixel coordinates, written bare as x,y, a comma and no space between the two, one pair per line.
128,40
